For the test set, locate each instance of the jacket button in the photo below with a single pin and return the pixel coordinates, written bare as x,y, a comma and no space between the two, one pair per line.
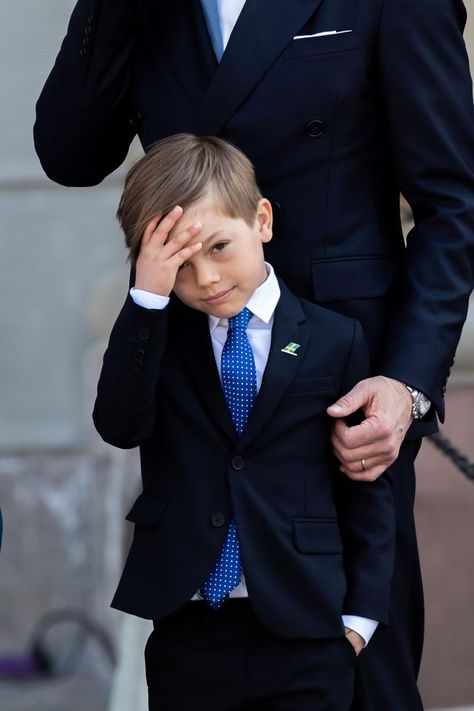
137,361
218,519
144,334
135,119
315,128
238,463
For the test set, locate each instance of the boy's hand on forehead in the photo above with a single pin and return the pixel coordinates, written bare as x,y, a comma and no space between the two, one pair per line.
160,257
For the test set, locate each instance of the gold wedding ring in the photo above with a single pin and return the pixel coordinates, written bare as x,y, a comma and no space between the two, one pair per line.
364,467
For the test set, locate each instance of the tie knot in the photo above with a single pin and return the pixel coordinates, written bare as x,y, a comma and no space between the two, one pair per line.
241,320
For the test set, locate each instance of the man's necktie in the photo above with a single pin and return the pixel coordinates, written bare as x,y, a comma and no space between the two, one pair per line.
211,13
239,380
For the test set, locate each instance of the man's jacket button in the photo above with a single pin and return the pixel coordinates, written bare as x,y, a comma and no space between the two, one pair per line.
144,334
218,519
315,128
238,463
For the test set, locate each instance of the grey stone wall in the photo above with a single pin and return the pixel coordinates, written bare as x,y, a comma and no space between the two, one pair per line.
64,276
56,246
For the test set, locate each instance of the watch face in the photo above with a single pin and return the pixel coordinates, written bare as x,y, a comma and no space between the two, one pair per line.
422,404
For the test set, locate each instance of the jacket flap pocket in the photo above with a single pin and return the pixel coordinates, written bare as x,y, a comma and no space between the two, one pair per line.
343,279
324,384
147,509
324,44
317,535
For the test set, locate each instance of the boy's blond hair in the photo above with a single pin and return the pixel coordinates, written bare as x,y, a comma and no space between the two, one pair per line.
180,170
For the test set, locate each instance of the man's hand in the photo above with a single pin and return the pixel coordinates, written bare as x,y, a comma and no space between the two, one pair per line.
160,258
355,639
366,450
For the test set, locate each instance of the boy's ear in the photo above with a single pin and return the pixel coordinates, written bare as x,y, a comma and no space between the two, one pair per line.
265,219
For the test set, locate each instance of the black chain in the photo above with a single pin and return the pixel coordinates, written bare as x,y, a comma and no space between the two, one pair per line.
53,655
453,454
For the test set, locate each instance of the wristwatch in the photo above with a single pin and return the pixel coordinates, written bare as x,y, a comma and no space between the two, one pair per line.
420,403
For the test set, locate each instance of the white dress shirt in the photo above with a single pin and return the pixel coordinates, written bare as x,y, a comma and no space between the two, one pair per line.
229,11
262,304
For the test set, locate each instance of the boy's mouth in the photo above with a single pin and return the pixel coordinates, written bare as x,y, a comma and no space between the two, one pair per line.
217,298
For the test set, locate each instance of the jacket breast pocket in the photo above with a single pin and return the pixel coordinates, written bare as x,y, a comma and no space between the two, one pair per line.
347,278
325,44
361,287
147,510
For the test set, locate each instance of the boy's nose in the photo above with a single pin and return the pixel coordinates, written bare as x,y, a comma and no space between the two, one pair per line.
207,275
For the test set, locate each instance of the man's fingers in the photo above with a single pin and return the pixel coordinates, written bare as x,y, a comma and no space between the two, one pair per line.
365,475
354,400
377,439
370,431
364,464
371,441
368,441
352,458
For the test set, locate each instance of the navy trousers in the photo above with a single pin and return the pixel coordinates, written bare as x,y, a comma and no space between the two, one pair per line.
198,659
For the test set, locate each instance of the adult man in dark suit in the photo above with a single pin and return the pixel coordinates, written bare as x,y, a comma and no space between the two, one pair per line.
341,105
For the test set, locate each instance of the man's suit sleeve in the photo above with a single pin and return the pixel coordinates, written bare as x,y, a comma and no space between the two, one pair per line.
427,99
125,410
84,120
366,519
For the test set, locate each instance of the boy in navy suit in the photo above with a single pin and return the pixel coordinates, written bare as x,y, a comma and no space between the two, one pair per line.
264,568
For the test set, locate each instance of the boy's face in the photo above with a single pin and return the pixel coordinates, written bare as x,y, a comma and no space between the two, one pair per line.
222,276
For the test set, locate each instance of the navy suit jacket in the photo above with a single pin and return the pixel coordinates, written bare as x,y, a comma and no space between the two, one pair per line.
314,544
337,127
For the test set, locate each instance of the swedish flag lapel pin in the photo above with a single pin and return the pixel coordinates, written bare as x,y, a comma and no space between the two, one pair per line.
291,348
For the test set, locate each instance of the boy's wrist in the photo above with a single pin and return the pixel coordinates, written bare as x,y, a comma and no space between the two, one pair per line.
152,285
148,299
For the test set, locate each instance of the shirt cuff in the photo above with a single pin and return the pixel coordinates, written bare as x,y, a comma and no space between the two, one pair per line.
149,300
362,625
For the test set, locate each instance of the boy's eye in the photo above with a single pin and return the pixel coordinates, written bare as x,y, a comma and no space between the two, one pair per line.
219,246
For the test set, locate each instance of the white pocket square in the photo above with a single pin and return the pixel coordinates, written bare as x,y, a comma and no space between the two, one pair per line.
322,34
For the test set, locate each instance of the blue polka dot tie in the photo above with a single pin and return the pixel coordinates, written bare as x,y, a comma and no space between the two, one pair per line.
239,380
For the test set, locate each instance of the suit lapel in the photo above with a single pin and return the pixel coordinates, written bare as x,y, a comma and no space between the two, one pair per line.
257,40
288,326
192,340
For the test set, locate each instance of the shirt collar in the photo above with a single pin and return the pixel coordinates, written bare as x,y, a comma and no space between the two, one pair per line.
262,303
